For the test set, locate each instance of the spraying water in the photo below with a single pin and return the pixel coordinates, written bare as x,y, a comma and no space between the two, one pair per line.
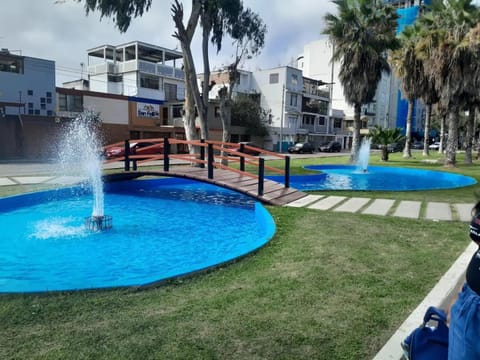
364,155
79,154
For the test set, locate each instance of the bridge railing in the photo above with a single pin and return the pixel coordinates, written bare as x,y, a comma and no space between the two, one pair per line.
210,154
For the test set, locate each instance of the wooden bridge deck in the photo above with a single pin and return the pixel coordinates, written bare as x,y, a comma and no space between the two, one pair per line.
273,193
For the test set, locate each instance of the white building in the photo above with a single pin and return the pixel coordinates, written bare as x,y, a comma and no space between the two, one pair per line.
280,91
27,85
137,69
315,63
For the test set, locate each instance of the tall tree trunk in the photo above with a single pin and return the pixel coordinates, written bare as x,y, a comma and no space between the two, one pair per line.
442,133
225,117
407,153
207,27
426,133
356,133
185,35
469,135
452,141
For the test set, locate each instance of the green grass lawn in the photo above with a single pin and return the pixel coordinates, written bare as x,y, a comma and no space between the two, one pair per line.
328,286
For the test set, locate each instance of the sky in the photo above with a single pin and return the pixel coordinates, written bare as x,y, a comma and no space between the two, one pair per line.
59,30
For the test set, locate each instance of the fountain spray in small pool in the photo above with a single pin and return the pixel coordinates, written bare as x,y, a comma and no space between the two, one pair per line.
364,155
80,154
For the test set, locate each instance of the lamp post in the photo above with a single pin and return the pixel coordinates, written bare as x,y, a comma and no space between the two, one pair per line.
282,111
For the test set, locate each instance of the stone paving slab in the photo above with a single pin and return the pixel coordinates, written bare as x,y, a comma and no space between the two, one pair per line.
438,211
305,200
464,211
379,207
408,209
27,180
6,181
327,203
352,205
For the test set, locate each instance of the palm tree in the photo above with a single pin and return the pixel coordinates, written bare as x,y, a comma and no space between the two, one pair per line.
384,137
363,31
409,68
448,61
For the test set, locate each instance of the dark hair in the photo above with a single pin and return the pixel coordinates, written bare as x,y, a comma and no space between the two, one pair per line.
474,230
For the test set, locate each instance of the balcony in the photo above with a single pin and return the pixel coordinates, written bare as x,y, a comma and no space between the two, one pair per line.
137,65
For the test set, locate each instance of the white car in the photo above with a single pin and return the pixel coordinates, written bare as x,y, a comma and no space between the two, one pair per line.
434,146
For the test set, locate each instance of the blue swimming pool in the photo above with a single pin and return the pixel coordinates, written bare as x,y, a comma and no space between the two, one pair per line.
162,228
377,178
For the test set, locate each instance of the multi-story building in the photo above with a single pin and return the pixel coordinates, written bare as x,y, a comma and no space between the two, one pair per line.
27,85
137,69
27,106
298,107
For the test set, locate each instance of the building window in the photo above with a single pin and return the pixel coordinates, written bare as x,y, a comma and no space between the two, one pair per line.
294,80
37,112
30,105
149,82
43,106
49,112
30,111
30,92
49,94
177,111
337,123
308,120
170,92
321,121
116,78
274,78
72,103
12,64
49,100
293,99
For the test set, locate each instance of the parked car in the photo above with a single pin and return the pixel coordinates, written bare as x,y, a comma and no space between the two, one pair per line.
247,150
302,148
434,146
136,148
332,146
417,145
394,147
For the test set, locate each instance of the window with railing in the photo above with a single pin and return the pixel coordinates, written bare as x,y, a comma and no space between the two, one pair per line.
149,81
170,91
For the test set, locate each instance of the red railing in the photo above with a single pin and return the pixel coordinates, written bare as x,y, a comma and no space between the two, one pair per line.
210,154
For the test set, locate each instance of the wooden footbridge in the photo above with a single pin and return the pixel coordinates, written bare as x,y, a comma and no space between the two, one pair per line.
214,162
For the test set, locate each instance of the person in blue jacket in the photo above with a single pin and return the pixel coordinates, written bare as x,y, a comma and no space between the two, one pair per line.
464,333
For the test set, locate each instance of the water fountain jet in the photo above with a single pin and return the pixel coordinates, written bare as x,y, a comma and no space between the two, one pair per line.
81,154
364,155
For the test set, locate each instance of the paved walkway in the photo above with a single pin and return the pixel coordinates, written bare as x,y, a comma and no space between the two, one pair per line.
435,211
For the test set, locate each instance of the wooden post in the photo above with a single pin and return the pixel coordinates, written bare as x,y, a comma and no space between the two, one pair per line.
202,153
166,153
210,161
242,159
287,171
261,175
127,153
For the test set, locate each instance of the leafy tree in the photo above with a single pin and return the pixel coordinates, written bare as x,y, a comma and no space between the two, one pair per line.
363,31
248,32
409,68
217,18
383,137
448,61
248,113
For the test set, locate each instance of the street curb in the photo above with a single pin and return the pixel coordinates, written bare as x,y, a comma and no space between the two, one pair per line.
440,296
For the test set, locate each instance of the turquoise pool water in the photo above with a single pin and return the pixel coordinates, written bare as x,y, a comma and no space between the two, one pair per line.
377,178
161,229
